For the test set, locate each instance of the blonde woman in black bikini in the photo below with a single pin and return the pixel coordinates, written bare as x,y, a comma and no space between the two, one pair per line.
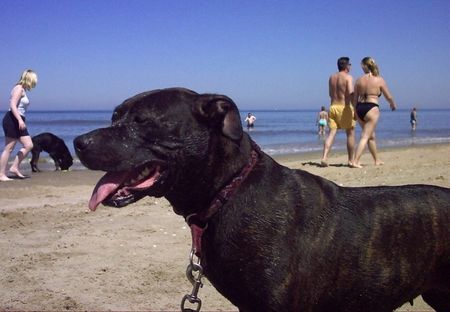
368,89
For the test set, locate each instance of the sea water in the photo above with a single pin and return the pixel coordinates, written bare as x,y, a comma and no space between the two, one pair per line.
277,132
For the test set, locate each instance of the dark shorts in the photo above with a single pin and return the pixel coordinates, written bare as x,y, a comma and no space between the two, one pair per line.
11,126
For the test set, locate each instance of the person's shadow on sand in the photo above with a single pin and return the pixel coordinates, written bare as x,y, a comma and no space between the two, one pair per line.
16,177
318,164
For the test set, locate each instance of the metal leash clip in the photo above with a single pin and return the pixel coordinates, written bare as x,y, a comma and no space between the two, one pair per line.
196,282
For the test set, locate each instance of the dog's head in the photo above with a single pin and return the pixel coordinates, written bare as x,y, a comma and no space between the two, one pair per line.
65,161
158,141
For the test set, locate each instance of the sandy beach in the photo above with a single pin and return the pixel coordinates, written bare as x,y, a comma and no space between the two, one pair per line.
56,255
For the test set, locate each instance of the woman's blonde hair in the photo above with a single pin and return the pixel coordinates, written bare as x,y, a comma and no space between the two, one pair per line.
28,80
371,65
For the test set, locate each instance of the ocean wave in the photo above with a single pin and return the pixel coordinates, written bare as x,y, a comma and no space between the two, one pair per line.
285,149
277,132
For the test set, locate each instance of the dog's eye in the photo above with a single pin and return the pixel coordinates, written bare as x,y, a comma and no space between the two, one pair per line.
115,116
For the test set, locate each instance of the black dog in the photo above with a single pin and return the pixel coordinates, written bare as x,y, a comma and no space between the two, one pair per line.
55,147
276,239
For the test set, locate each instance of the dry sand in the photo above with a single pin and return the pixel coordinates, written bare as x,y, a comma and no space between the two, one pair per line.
55,255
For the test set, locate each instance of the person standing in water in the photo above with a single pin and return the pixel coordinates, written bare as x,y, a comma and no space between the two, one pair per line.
322,120
250,120
413,119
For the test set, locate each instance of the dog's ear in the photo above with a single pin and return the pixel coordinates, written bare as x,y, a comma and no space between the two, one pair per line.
221,112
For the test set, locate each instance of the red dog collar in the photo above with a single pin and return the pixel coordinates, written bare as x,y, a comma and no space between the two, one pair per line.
199,222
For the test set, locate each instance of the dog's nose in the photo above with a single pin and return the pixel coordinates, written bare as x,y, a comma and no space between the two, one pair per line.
81,143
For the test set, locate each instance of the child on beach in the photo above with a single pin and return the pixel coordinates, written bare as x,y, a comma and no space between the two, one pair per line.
14,126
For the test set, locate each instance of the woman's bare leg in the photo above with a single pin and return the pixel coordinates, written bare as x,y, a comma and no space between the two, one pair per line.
27,146
368,129
9,147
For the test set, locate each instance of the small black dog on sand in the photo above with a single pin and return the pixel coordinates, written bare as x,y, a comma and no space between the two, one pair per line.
55,147
271,238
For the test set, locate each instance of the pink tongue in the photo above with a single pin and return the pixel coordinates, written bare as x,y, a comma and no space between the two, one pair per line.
107,185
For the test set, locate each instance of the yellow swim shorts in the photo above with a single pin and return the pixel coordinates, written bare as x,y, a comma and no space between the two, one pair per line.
341,116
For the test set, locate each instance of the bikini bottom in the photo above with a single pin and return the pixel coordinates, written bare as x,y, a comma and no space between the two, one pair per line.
362,108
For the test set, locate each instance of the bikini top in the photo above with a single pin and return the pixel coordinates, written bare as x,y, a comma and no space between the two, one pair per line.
367,95
364,97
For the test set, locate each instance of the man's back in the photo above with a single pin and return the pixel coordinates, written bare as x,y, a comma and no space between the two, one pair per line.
340,87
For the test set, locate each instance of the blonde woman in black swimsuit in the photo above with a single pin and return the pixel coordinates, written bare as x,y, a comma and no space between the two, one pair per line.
368,89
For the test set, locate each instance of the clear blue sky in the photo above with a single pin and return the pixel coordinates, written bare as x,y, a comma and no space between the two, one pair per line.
93,54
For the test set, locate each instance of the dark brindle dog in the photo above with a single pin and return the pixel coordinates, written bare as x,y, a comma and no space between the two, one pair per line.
277,239
55,147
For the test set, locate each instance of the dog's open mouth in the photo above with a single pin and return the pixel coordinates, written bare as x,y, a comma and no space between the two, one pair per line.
121,188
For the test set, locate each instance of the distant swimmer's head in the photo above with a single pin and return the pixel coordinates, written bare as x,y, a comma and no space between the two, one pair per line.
369,65
343,63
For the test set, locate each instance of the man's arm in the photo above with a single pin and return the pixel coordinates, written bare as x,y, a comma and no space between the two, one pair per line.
330,87
349,90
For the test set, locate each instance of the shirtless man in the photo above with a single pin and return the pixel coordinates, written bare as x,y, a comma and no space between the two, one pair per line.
250,120
341,114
